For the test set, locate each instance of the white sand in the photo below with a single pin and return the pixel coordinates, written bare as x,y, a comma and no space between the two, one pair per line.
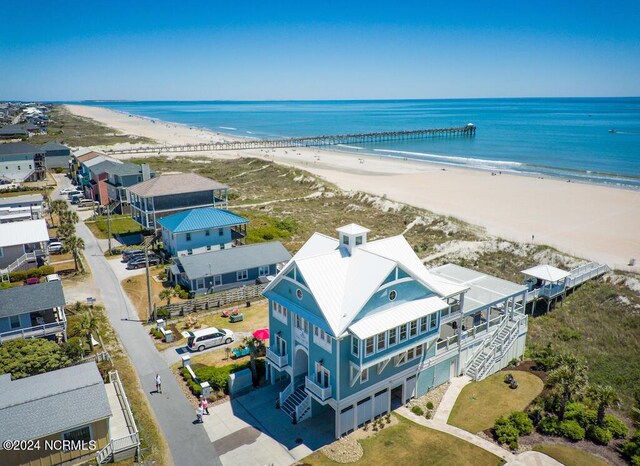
595,222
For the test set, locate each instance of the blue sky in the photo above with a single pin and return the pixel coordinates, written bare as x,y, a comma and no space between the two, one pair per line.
207,50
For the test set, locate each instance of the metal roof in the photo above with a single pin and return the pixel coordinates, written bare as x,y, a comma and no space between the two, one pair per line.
353,229
390,318
24,199
483,290
546,272
30,231
46,404
54,145
31,298
18,148
232,259
165,185
200,219
14,129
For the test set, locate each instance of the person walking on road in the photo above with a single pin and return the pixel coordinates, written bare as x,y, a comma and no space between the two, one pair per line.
204,403
158,384
199,413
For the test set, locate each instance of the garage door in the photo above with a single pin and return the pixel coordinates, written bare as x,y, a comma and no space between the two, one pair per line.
346,420
442,372
410,388
364,411
380,403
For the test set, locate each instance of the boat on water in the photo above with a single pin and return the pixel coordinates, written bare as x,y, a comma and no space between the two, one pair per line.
613,130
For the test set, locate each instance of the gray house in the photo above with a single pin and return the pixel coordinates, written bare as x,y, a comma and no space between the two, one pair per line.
13,131
23,245
119,177
21,161
33,311
56,155
19,208
228,268
168,194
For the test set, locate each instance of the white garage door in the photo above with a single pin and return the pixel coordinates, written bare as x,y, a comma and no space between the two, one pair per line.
410,391
346,420
380,403
364,411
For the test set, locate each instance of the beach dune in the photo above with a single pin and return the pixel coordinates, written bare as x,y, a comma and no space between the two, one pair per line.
596,222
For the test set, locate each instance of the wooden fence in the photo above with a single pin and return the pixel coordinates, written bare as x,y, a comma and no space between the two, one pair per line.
212,301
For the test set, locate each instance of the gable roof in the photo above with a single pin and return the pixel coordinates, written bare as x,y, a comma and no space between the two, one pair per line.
546,272
342,282
165,185
29,231
31,298
232,259
53,145
45,404
18,148
200,219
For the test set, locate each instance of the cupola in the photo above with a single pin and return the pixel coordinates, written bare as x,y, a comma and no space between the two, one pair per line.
352,236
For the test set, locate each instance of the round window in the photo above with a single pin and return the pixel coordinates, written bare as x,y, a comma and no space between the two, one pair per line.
392,295
299,293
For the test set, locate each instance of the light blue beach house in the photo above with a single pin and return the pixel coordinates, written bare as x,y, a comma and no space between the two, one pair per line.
201,230
359,328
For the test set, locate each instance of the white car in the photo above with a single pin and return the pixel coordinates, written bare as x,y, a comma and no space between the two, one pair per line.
207,337
65,191
54,277
55,247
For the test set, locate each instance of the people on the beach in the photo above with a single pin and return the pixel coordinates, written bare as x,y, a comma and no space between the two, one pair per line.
158,383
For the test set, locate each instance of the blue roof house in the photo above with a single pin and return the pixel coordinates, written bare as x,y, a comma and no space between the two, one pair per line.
358,328
201,230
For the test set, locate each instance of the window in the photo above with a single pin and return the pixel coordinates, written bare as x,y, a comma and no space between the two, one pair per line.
321,338
1,252
15,321
393,294
207,233
299,293
392,336
403,332
358,240
83,434
279,312
217,280
433,321
189,252
199,283
188,236
355,346
423,324
242,275
382,341
368,346
263,270
220,232
419,351
345,238
413,328
364,375
302,324
281,345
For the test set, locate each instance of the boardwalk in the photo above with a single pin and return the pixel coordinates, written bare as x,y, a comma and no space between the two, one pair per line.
308,141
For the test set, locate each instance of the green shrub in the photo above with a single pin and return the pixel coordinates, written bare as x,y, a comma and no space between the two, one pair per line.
417,410
218,376
572,430
192,384
513,445
506,433
181,292
549,426
429,405
614,425
631,449
521,422
156,333
18,276
162,313
580,413
600,435
74,348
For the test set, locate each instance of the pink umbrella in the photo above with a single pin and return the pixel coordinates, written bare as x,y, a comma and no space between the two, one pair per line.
261,334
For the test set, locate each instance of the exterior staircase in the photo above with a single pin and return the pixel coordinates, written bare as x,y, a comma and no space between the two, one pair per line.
501,341
27,257
297,405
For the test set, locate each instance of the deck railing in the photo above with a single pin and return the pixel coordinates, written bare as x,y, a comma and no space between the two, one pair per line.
34,332
322,393
277,360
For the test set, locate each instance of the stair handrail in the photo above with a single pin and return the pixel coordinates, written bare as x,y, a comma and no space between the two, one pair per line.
492,336
302,408
497,351
286,393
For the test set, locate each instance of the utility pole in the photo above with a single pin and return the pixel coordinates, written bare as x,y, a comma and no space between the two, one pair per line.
109,228
146,263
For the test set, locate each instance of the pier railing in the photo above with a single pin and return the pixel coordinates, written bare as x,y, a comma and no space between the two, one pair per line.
307,141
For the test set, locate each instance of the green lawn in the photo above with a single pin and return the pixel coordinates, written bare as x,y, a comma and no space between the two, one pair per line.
408,443
569,456
481,403
119,225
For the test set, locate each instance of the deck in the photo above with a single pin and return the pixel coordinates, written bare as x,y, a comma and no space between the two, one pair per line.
577,277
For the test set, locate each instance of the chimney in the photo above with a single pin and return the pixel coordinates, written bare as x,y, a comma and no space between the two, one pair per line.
146,171
352,236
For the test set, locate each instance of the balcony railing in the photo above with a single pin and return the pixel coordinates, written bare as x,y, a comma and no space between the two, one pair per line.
34,332
276,359
322,393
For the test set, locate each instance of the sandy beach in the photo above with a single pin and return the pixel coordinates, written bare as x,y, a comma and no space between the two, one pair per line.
596,222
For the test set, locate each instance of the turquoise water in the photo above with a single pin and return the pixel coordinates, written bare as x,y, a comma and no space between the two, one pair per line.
567,138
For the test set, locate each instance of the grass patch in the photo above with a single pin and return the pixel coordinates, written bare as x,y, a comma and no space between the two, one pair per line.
77,131
481,403
120,225
136,289
569,456
409,443
595,324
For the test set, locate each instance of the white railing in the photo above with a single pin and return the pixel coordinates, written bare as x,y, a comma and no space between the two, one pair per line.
489,341
303,408
105,454
323,393
444,344
277,360
497,352
286,393
34,332
28,256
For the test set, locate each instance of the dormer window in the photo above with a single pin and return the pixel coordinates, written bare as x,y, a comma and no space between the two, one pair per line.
345,238
358,240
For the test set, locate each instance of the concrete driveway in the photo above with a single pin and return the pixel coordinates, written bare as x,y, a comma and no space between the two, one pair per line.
120,269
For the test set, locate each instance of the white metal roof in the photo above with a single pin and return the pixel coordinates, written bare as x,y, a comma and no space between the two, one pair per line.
546,272
353,229
398,315
29,231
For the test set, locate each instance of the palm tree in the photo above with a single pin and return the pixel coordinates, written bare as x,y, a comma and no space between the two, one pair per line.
57,207
255,346
74,245
605,397
167,294
87,325
571,380
69,216
66,230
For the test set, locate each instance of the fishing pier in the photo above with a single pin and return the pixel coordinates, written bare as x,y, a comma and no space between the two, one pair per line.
307,141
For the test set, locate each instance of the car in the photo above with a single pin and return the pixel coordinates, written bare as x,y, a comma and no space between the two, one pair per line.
66,191
32,281
139,255
54,277
138,262
73,192
55,247
126,255
87,203
201,339
77,198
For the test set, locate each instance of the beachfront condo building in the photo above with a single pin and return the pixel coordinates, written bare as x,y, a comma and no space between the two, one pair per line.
358,327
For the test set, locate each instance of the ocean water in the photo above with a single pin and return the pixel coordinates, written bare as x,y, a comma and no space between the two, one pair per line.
562,137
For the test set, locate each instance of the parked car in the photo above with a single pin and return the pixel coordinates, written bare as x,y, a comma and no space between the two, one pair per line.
54,277
139,255
87,203
55,247
32,281
126,255
198,340
66,191
73,192
138,262
77,198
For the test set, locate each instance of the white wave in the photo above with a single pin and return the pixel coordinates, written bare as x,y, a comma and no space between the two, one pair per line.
451,158
229,127
349,147
249,132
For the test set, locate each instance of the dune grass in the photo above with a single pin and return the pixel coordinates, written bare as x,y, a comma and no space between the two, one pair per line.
481,403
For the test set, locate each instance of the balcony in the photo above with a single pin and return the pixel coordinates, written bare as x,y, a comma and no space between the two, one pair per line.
275,359
44,324
321,393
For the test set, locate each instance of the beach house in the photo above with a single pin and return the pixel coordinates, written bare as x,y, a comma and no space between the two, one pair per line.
359,327
71,405
21,161
34,311
201,230
224,269
121,176
56,155
23,245
19,208
168,194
